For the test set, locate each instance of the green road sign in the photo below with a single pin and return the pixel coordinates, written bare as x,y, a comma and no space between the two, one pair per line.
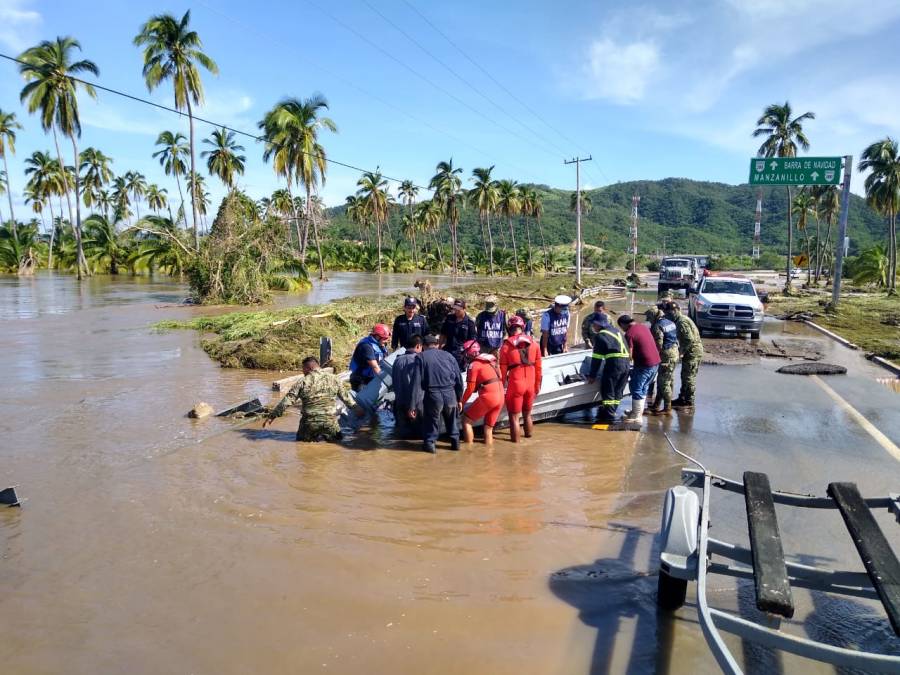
795,171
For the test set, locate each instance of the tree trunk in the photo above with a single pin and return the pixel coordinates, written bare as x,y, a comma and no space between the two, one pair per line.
78,238
528,237
65,182
303,241
193,176
378,242
12,214
544,245
892,272
790,243
808,257
512,234
319,250
180,196
490,241
818,248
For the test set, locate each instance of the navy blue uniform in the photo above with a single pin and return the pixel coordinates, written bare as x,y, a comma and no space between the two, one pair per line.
404,372
557,325
367,349
405,328
491,327
456,334
437,389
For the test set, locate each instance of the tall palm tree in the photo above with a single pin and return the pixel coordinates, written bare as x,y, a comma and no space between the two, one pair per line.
171,158
96,174
356,213
375,202
8,126
121,200
587,204
828,206
408,192
157,198
224,160
173,52
37,201
52,91
537,212
803,207
783,135
45,181
526,207
137,186
484,197
509,204
882,160
199,195
447,186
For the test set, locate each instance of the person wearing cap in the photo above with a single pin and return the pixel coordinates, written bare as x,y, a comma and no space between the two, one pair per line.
645,362
491,326
528,317
666,335
598,313
555,326
690,346
483,378
520,372
458,329
611,352
436,390
365,363
408,324
404,370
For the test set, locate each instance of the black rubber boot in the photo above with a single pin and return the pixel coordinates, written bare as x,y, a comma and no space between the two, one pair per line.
454,444
428,448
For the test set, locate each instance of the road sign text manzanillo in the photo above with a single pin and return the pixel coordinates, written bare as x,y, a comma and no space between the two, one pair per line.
795,171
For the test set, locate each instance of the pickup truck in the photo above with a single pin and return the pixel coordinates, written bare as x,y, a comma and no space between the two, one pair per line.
677,273
727,304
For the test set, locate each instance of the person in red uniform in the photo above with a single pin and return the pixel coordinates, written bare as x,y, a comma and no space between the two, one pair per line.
520,371
483,378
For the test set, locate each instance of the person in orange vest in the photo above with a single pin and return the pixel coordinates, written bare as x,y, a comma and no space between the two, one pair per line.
520,371
484,378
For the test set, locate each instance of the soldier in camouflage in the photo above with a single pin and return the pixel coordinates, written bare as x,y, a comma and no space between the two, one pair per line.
665,334
691,347
314,394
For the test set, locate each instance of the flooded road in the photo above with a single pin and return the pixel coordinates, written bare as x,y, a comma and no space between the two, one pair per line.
152,543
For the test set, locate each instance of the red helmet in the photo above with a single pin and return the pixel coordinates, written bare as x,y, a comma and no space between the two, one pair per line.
381,331
516,321
471,348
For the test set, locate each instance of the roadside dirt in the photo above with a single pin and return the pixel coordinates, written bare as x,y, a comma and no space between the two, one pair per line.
737,352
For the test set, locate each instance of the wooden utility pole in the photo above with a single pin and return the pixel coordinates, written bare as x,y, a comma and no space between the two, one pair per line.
577,162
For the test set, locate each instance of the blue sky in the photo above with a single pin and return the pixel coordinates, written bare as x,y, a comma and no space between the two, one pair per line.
651,90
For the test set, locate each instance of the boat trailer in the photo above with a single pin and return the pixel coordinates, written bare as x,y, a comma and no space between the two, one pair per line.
685,542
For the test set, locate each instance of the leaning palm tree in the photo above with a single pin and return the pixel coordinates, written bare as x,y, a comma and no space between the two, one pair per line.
157,198
45,181
509,205
803,207
94,166
882,160
52,91
447,186
171,157
483,196
407,193
8,126
173,51
224,160
783,134
375,202
137,186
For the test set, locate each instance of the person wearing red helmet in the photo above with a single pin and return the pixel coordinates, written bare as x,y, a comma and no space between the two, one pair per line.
365,364
520,371
483,378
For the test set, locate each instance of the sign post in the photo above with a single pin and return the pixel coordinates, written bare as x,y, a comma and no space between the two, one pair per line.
842,234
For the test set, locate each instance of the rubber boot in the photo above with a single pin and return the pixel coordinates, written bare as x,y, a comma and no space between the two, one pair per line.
664,410
657,401
637,410
682,403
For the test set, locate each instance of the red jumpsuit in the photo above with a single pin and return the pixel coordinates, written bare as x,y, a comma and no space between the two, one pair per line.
484,377
520,370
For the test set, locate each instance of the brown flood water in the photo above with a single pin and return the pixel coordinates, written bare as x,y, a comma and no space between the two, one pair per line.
153,544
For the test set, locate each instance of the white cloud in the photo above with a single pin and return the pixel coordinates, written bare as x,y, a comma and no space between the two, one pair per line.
18,24
621,72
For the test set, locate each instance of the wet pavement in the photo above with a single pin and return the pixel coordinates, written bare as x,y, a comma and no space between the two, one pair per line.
152,543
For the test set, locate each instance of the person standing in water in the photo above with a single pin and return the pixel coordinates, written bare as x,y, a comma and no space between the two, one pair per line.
520,371
483,378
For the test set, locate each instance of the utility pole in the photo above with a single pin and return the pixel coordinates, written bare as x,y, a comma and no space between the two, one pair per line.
635,201
757,226
577,162
842,233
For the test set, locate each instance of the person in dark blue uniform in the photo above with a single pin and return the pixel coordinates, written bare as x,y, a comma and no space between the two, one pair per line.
404,371
611,352
491,326
555,327
458,329
408,324
368,355
437,391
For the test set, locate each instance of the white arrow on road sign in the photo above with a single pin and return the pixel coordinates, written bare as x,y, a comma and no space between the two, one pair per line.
815,175
774,165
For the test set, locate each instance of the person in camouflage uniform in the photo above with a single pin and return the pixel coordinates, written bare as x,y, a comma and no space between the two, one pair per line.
691,347
665,334
314,394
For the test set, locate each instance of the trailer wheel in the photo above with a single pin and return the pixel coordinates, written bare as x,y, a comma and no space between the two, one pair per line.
670,592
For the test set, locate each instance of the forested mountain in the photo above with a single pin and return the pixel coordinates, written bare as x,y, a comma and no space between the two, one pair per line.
676,215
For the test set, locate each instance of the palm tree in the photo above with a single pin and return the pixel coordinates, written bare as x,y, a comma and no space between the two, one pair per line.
94,166
509,204
537,211
587,203
484,197
447,186
408,192
51,91
375,201
828,206
121,199
137,186
872,267
198,193
45,182
783,134
526,207
171,158
223,161
882,160
803,207
8,126
157,198
172,51
37,201
102,242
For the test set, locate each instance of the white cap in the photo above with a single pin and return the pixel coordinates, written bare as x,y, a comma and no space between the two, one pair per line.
562,300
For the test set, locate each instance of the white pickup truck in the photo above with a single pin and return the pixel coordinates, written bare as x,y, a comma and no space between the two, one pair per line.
727,304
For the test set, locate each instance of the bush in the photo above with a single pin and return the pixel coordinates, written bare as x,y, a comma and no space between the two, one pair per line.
653,265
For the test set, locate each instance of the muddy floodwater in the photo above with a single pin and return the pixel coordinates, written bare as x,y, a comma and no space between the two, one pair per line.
150,543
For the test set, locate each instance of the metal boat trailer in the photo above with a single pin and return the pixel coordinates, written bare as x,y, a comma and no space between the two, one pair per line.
686,542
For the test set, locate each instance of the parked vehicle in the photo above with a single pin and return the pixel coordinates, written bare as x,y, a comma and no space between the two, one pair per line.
727,304
678,273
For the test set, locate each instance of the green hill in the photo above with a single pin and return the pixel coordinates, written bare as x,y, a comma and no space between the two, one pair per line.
676,215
